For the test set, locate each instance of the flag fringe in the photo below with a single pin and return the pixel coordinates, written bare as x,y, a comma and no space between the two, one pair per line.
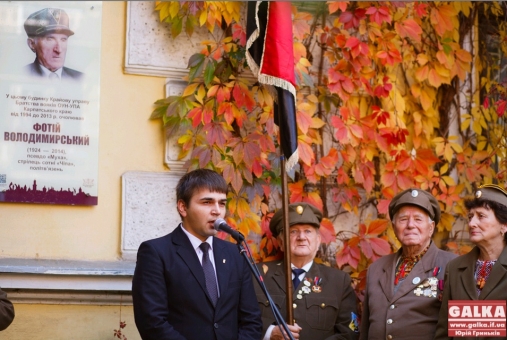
292,161
261,77
279,82
255,34
267,79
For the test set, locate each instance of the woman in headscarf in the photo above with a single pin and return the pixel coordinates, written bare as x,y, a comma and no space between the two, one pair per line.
482,273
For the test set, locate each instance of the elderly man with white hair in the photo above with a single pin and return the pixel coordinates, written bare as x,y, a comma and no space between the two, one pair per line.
403,290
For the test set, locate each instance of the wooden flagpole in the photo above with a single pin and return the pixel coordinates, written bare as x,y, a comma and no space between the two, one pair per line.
272,21
286,241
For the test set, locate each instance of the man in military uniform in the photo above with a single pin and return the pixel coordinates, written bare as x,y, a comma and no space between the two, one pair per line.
6,311
402,299
324,302
48,32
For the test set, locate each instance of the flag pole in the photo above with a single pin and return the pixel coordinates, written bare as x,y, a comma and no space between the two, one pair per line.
286,241
269,55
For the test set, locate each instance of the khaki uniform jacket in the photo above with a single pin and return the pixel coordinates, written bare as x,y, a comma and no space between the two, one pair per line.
402,315
324,315
460,285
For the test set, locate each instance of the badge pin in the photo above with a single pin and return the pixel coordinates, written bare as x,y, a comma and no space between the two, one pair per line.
306,283
414,193
427,288
416,280
299,296
223,261
316,289
306,290
433,281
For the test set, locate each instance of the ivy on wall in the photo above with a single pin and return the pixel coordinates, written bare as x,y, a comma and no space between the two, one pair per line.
391,95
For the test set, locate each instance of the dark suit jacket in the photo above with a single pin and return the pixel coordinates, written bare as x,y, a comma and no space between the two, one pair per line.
460,285
412,317
6,311
34,69
170,296
325,315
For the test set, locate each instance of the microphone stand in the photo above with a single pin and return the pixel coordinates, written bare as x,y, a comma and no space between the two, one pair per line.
278,317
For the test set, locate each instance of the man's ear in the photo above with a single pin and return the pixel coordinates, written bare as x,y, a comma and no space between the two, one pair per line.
31,44
279,238
182,208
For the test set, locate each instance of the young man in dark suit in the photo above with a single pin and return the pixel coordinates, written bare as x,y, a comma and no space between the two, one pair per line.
190,284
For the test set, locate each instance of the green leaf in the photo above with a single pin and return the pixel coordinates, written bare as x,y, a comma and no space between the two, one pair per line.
226,74
176,27
195,71
223,70
158,112
209,73
190,25
219,70
195,60
165,101
174,108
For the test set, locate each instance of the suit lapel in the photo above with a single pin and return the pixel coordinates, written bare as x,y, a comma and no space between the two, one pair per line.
313,272
37,68
467,279
387,278
497,275
279,277
467,273
187,253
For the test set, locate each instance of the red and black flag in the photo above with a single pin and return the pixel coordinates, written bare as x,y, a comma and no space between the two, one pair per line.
270,56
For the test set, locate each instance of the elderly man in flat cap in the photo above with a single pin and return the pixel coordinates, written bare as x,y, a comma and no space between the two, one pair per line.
403,290
324,302
48,32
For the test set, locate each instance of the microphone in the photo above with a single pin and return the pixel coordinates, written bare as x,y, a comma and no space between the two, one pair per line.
221,225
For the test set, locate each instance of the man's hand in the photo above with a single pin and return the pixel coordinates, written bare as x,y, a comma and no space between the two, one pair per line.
277,335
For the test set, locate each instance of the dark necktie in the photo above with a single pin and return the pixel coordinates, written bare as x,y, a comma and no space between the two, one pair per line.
209,273
296,281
